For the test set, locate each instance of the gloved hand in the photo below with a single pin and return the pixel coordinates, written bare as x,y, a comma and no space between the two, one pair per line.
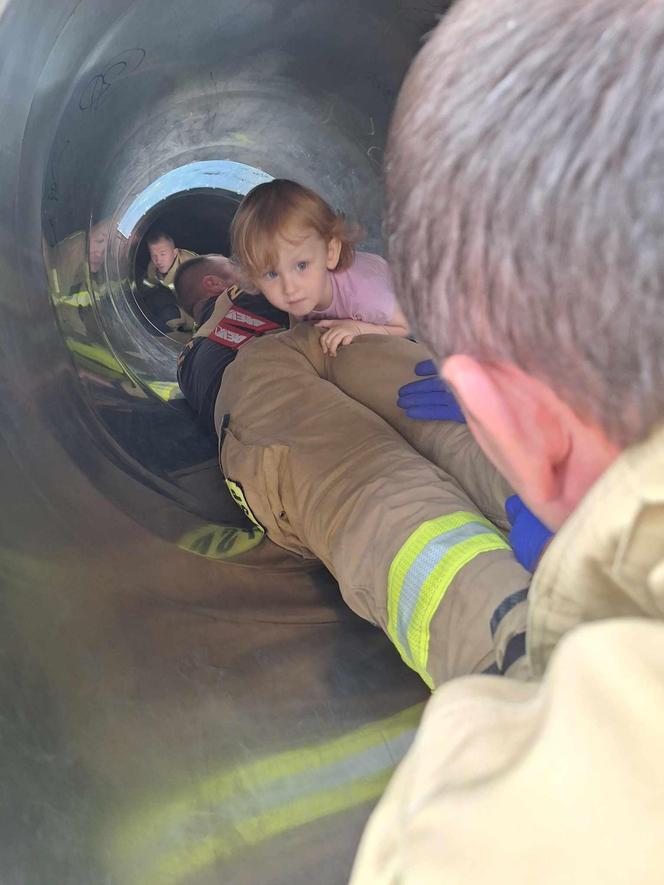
528,536
429,399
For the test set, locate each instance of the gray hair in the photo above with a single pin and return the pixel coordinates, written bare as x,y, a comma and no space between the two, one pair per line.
525,219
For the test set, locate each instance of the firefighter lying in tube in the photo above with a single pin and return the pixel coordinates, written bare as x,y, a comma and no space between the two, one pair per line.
409,516
211,289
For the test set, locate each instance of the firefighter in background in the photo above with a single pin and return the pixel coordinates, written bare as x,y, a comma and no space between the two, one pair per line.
165,260
524,174
73,264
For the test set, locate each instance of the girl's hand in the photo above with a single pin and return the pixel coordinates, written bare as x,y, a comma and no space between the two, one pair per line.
337,332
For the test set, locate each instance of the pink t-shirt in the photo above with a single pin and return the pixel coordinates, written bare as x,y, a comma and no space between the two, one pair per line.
363,292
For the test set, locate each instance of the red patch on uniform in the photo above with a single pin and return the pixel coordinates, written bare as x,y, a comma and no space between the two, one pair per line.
245,319
229,335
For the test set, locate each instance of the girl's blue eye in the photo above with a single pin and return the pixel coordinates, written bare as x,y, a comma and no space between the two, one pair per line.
301,265
271,274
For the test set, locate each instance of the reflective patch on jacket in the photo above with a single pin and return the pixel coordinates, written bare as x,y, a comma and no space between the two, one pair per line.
422,572
220,541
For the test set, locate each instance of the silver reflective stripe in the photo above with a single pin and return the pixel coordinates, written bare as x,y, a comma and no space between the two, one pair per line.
426,561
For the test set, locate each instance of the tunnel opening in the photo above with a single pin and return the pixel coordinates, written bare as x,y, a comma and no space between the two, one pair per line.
194,205
118,331
198,222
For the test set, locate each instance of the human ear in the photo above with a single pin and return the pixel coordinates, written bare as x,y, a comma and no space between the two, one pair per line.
210,282
333,253
518,422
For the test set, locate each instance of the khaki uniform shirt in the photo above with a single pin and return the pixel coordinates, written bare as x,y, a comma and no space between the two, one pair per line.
560,778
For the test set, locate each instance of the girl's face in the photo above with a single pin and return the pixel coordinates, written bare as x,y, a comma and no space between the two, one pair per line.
300,282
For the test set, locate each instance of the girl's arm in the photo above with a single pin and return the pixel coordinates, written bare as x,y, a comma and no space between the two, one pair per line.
339,332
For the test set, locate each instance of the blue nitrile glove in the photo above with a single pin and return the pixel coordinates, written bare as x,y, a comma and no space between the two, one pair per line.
528,536
429,399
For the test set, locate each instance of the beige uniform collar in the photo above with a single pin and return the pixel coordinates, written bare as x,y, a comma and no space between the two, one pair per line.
222,305
608,558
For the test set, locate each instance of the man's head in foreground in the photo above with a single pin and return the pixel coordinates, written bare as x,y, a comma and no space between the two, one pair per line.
203,277
526,219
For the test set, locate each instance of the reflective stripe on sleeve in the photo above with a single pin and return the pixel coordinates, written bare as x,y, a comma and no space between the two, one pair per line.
81,298
421,574
165,390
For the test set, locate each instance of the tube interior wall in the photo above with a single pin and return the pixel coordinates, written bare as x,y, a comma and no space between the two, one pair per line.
171,716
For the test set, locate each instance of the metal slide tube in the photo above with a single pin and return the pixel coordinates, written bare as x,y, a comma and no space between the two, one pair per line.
178,704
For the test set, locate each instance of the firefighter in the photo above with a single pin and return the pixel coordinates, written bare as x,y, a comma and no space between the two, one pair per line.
524,173
408,516
158,285
210,290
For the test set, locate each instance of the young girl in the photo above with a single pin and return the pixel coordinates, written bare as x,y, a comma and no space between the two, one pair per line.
300,254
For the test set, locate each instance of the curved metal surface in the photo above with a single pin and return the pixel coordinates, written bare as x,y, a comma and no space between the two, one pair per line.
180,704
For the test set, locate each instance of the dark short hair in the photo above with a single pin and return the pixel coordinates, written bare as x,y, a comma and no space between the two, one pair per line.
188,280
525,179
155,236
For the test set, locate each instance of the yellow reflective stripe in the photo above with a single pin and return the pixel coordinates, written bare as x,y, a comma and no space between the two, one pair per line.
220,541
74,299
95,354
435,587
55,282
143,846
238,496
421,573
165,390
180,866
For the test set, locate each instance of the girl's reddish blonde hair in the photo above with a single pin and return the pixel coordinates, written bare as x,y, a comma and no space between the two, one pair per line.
281,207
